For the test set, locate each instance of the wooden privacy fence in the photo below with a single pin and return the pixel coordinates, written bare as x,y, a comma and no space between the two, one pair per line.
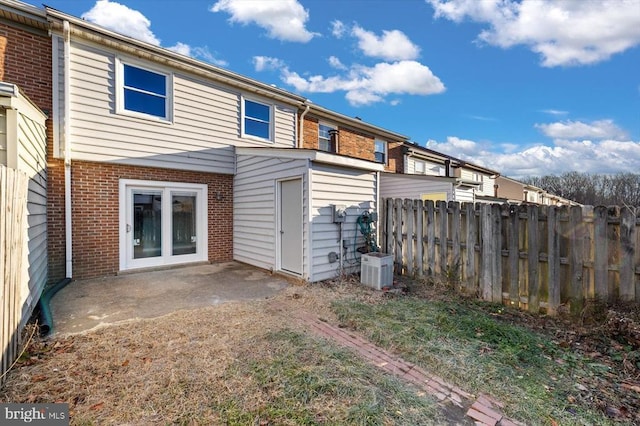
525,255
13,237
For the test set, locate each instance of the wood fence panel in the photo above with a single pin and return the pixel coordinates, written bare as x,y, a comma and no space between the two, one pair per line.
388,227
13,228
535,257
576,248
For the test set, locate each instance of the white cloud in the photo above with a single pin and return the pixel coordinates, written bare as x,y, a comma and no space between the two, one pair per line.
555,112
121,19
393,45
601,129
564,33
336,63
262,63
366,85
337,28
605,156
283,19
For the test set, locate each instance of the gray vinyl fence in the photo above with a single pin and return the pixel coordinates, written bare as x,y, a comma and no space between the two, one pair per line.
13,239
529,256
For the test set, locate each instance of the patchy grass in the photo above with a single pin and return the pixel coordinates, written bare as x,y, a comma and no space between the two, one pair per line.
471,348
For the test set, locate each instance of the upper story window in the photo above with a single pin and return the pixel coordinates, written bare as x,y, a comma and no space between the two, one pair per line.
381,151
145,92
420,167
256,119
327,138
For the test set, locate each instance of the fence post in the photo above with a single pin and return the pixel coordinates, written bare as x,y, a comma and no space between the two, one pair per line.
486,253
553,260
627,243
496,260
389,225
532,258
472,237
601,253
398,236
431,239
514,253
410,222
442,217
456,260
419,236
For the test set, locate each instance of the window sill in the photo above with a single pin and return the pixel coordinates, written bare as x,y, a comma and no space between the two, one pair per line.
146,117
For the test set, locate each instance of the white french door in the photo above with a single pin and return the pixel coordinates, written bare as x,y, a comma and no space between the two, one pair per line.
162,223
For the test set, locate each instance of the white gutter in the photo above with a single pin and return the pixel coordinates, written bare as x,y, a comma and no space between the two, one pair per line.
67,152
301,136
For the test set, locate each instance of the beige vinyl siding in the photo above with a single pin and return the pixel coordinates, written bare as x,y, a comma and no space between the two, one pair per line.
32,160
413,187
430,169
3,137
254,208
23,136
204,129
357,190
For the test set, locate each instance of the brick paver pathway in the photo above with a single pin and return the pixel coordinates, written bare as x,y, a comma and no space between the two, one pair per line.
483,410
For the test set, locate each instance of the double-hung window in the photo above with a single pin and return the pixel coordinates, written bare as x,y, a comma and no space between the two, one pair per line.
256,119
420,167
327,136
145,92
381,151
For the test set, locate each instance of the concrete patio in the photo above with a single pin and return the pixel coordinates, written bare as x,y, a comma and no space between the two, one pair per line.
87,304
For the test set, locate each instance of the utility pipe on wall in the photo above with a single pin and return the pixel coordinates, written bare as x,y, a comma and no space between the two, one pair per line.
301,136
67,152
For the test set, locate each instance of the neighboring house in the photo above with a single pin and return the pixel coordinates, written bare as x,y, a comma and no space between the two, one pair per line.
518,192
430,175
23,147
157,159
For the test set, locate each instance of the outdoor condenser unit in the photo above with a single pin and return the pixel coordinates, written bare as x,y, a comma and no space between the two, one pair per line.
376,270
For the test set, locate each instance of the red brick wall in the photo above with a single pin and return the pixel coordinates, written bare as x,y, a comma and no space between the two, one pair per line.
395,155
350,142
95,207
25,60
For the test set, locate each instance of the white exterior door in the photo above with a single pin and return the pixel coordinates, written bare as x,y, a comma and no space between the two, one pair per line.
162,223
290,226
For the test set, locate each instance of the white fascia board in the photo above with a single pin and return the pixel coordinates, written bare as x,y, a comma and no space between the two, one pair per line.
410,176
314,156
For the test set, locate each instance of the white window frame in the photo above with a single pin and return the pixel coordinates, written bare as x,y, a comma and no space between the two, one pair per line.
243,134
332,127
167,188
120,109
385,153
423,166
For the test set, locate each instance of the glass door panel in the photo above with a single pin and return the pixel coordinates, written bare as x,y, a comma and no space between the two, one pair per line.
147,224
184,224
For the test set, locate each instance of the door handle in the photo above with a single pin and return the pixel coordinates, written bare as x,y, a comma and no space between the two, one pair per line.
128,228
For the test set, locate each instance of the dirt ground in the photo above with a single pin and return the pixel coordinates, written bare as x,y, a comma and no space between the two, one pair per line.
116,373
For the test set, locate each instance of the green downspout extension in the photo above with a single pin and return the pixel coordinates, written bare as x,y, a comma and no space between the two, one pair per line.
46,319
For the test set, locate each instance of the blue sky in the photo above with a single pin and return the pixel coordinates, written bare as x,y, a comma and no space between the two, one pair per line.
527,87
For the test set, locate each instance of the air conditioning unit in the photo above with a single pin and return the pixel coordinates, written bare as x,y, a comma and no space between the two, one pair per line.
376,270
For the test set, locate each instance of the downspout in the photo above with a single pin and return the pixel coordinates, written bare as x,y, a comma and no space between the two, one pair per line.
301,135
46,318
67,151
